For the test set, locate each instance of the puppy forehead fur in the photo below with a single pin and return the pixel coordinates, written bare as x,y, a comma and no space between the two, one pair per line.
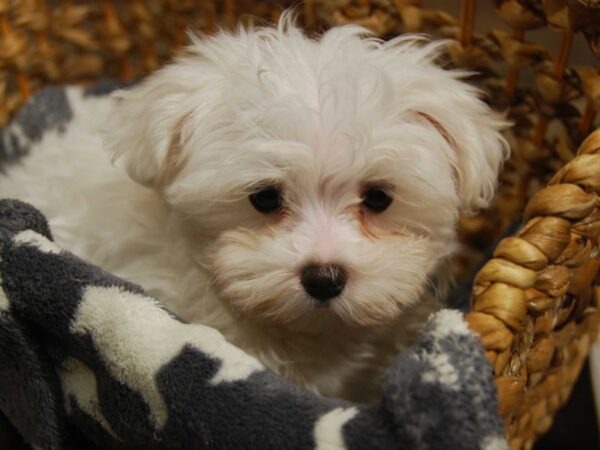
336,101
271,99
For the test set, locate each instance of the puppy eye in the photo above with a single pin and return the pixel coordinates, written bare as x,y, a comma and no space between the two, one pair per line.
267,200
376,199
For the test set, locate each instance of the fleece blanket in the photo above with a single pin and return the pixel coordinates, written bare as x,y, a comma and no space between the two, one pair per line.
88,360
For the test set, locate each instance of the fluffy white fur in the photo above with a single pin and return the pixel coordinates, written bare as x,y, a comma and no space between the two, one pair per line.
320,118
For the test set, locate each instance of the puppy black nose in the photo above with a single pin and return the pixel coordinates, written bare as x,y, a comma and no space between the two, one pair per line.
323,282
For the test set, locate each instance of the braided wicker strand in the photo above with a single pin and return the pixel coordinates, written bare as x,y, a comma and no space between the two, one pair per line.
535,302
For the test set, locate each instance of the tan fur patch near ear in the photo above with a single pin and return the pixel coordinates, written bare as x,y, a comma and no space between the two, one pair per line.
174,160
438,126
447,137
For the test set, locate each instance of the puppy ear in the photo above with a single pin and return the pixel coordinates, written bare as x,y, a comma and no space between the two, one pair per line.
476,147
144,130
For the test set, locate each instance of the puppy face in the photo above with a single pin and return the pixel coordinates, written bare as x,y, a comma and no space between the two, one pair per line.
318,180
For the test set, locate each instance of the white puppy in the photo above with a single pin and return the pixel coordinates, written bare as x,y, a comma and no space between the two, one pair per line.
296,194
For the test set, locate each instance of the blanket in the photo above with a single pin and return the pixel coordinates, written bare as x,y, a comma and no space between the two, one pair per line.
88,360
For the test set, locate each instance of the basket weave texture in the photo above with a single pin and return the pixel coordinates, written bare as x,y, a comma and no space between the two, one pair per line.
535,302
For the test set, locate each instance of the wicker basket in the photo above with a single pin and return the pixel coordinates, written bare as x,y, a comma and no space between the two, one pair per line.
535,302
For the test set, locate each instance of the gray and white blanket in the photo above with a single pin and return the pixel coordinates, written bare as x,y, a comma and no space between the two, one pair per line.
87,360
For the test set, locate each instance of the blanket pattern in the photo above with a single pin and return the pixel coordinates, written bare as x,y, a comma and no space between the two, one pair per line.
88,360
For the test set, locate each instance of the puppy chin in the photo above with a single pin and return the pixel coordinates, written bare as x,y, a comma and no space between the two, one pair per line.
300,312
